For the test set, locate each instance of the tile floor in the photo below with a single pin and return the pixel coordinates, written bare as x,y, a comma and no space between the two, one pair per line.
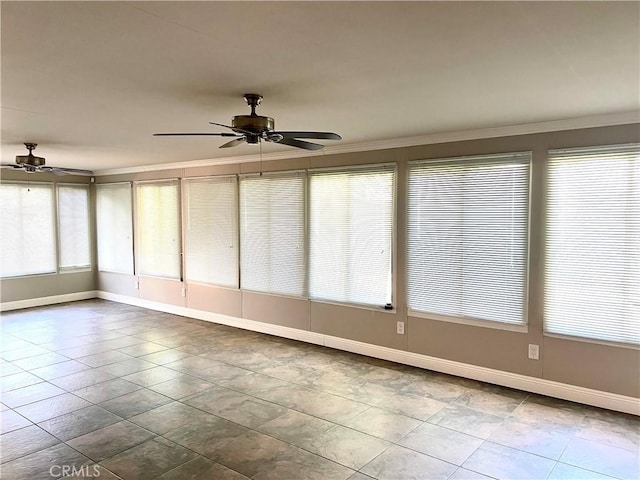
96,389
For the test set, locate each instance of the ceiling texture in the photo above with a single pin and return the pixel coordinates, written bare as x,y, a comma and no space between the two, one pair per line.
90,82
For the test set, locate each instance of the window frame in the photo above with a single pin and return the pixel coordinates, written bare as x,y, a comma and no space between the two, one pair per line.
130,185
391,167
136,229
81,268
305,237
185,182
586,150
523,157
54,219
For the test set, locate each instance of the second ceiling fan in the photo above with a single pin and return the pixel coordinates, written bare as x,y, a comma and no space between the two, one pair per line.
254,128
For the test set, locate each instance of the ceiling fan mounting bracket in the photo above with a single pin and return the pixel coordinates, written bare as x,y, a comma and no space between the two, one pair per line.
253,100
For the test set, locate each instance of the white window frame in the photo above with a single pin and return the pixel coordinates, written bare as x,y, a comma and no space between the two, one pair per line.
276,174
390,167
186,182
60,240
592,334
137,236
522,327
54,220
100,268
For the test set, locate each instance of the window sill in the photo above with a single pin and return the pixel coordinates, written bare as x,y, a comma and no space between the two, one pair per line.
130,274
75,270
607,343
28,275
520,328
372,308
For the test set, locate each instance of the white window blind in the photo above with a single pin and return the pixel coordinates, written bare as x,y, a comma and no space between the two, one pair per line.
212,230
158,229
272,248
114,220
73,226
468,237
28,230
592,266
351,234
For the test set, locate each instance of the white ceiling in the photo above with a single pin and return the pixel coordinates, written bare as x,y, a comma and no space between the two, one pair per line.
91,81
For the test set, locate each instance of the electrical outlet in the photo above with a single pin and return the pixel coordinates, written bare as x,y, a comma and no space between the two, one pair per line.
534,351
184,292
137,284
400,328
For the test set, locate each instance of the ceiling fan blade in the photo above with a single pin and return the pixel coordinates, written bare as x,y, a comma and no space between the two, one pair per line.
234,143
10,165
68,171
300,144
191,134
318,135
246,132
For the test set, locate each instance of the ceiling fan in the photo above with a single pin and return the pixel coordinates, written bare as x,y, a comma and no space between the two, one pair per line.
254,128
32,164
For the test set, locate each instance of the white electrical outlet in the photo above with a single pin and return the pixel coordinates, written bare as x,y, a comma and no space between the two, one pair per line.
400,328
534,351
137,284
184,292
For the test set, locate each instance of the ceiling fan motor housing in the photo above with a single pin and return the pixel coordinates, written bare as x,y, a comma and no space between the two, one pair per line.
256,124
29,160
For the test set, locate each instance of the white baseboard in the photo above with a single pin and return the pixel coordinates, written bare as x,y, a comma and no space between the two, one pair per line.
541,386
38,302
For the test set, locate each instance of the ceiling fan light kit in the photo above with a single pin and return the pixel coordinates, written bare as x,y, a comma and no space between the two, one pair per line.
254,128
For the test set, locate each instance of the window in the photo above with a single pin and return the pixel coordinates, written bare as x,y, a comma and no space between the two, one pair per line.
211,230
272,249
592,266
73,226
28,229
350,234
468,237
114,228
158,216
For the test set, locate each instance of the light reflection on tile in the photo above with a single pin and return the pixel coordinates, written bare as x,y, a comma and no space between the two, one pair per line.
448,445
507,463
400,463
601,458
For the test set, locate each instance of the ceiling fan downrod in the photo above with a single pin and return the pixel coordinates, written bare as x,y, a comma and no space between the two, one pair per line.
253,100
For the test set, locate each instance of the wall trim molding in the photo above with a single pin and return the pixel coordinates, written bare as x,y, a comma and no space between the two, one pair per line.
541,386
40,301
594,121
